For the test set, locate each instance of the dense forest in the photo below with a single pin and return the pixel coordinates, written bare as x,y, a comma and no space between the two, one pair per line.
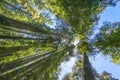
37,35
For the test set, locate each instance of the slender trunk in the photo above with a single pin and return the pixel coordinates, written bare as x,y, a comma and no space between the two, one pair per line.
87,71
25,60
18,31
8,51
19,38
25,26
21,25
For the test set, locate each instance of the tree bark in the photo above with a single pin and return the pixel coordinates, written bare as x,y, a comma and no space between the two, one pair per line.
87,71
19,38
21,25
25,26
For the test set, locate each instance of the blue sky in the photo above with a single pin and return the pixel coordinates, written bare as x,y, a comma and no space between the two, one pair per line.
111,14
101,62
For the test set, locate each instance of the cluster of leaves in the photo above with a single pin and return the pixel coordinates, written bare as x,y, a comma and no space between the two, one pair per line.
109,41
84,47
106,76
80,14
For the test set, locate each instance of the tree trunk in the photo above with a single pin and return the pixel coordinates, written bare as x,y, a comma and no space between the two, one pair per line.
87,70
19,38
22,25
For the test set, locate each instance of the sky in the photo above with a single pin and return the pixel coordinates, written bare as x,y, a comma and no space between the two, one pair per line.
101,62
111,14
67,66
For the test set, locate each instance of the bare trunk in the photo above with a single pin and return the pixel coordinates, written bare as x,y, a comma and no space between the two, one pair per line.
87,71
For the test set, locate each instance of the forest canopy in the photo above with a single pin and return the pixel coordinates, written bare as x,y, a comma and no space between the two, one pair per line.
37,35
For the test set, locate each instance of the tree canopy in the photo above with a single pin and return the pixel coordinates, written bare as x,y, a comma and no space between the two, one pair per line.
37,35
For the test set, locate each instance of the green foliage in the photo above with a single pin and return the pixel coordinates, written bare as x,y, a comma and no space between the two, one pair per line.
30,50
106,76
83,47
109,43
77,13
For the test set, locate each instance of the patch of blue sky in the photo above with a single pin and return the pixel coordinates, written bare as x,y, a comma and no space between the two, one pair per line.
110,14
